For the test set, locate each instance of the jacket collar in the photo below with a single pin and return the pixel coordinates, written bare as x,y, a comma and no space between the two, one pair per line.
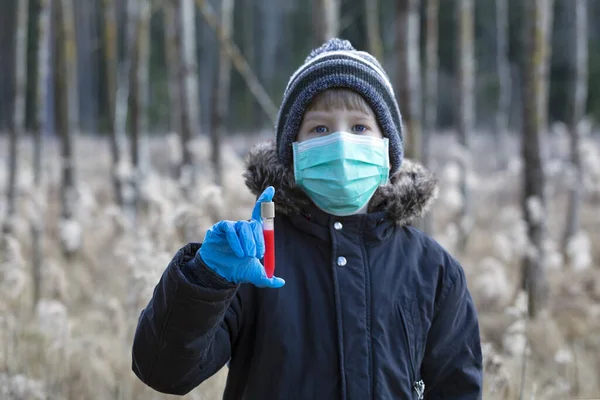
409,193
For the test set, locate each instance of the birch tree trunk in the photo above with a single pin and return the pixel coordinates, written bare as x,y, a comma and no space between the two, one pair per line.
110,80
221,93
431,88
17,129
44,80
67,123
537,53
190,117
85,27
70,47
41,126
139,96
249,51
326,20
122,105
504,81
8,31
172,60
577,111
239,62
547,23
409,73
134,107
465,69
173,63
431,76
122,98
270,17
374,29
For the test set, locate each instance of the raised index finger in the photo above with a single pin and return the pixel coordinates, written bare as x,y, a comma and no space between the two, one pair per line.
266,195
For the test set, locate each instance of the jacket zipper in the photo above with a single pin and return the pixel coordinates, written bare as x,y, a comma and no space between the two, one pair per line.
418,386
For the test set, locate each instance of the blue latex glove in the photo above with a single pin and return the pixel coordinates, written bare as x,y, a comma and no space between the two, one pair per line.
233,249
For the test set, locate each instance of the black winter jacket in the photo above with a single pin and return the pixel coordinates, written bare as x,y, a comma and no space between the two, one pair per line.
372,308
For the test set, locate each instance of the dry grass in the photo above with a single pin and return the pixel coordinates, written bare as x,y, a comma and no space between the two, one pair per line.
77,343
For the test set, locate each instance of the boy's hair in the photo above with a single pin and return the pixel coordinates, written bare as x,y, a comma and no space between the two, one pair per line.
340,99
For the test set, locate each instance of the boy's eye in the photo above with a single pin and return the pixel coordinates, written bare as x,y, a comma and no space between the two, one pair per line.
359,128
320,129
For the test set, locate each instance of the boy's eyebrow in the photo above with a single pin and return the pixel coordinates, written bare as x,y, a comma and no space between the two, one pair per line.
316,115
325,115
362,115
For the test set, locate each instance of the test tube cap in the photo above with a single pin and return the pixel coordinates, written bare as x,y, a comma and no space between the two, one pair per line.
267,209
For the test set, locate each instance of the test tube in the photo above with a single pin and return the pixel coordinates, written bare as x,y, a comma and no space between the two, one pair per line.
267,213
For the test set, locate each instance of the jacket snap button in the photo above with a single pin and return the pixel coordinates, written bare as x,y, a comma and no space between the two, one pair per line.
341,261
337,226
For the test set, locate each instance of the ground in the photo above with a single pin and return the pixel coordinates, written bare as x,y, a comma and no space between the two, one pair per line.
77,342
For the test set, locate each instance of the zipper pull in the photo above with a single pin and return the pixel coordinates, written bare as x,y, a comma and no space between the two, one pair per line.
419,387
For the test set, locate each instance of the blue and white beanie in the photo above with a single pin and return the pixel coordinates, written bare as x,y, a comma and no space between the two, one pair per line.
337,64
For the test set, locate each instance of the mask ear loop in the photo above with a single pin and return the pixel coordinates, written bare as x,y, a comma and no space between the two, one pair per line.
295,161
388,167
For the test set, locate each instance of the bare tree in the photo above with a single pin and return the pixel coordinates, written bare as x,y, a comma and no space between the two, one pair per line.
122,107
18,125
66,119
578,100
504,80
431,76
172,60
188,74
374,28
270,17
547,23
538,20
250,51
431,87
139,92
190,82
43,80
70,48
173,63
123,77
221,93
85,25
465,112
238,60
326,19
110,77
409,73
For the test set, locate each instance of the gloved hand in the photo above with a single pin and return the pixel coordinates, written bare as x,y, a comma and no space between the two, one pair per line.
233,249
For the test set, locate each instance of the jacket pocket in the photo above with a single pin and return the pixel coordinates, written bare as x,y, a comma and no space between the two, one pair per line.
412,333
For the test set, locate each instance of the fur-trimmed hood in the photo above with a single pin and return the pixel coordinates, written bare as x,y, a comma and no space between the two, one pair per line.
410,192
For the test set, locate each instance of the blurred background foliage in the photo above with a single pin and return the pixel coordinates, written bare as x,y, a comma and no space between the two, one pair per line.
94,214
275,36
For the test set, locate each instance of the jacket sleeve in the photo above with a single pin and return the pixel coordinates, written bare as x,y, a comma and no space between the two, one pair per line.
452,364
185,333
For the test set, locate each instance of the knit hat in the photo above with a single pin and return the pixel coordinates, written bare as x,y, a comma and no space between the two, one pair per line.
336,64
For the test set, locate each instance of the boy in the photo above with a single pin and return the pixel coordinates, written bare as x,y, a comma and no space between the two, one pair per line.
371,308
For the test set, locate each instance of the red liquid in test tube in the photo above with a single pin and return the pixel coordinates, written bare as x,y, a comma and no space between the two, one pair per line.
267,213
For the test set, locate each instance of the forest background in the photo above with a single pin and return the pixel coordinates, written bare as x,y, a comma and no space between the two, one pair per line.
275,37
123,130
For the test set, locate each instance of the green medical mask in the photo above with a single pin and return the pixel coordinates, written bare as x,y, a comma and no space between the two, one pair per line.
340,172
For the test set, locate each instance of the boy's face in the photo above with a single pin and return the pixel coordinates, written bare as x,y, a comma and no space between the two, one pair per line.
321,123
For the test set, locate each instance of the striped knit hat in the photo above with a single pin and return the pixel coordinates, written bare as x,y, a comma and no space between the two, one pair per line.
336,64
